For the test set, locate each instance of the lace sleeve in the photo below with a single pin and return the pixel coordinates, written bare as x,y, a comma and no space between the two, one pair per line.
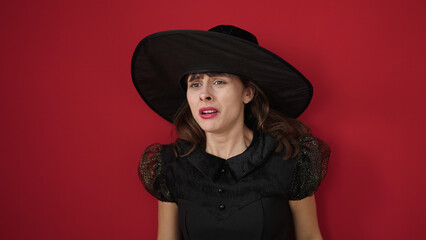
151,172
311,167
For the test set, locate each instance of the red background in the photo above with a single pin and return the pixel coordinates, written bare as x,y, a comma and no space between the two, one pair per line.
73,126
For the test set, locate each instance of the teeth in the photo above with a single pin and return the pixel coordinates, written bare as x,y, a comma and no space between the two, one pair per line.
208,111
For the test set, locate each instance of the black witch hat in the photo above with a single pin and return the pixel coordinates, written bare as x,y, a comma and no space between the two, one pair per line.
162,60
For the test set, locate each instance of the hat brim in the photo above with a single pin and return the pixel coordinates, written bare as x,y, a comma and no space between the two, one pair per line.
162,59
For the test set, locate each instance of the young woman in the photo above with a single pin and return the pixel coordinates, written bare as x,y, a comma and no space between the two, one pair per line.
242,167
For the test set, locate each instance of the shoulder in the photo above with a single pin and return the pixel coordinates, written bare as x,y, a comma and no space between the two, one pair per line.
312,141
158,153
313,148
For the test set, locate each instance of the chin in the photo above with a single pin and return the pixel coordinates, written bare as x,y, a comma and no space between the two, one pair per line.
209,127
214,126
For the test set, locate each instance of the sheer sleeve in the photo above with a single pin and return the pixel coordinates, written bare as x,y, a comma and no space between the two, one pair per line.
311,167
152,172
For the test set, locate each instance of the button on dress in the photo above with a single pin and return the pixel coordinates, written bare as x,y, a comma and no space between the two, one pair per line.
243,197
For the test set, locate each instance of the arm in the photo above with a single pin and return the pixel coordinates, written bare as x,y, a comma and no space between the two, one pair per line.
305,219
168,228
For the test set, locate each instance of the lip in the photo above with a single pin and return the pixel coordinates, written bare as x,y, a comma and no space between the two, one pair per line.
208,115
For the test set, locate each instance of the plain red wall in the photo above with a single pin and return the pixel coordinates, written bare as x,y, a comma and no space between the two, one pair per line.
73,126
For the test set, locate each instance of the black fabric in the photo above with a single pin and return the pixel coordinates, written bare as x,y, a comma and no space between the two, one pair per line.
243,197
161,60
235,31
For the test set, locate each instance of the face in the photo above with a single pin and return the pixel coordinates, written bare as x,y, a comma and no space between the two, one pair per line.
217,101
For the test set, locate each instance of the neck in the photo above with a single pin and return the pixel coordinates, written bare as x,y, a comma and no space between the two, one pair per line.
228,144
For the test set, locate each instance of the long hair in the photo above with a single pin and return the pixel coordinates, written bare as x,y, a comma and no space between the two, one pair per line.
258,115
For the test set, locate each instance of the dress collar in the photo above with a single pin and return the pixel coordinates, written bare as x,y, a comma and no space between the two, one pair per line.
240,165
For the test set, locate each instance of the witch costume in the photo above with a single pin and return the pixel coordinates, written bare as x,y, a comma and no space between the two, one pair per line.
245,196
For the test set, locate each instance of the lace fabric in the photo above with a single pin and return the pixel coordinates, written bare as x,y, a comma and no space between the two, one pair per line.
311,167
151,173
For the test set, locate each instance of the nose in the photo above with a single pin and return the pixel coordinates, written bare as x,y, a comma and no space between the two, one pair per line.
205,95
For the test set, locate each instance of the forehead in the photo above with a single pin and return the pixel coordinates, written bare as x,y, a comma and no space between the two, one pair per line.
195,76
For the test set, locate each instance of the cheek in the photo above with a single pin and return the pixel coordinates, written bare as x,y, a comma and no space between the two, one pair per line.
189,100
234,101
191,103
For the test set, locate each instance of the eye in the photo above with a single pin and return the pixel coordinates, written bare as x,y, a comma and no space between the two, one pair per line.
194,85
219,82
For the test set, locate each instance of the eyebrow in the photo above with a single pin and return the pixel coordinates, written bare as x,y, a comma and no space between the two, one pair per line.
196,76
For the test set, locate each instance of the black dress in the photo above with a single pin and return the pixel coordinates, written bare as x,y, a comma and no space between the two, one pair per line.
244,197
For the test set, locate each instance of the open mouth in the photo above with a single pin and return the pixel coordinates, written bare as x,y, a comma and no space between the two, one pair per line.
208,112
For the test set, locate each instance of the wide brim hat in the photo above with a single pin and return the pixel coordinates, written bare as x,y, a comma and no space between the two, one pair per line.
162,60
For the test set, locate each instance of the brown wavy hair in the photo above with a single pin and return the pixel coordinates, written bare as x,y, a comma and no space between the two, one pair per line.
258,115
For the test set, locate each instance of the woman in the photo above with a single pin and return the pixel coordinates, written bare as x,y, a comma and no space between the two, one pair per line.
242,167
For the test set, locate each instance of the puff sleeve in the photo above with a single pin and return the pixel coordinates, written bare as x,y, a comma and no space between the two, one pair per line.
310,167
152,173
